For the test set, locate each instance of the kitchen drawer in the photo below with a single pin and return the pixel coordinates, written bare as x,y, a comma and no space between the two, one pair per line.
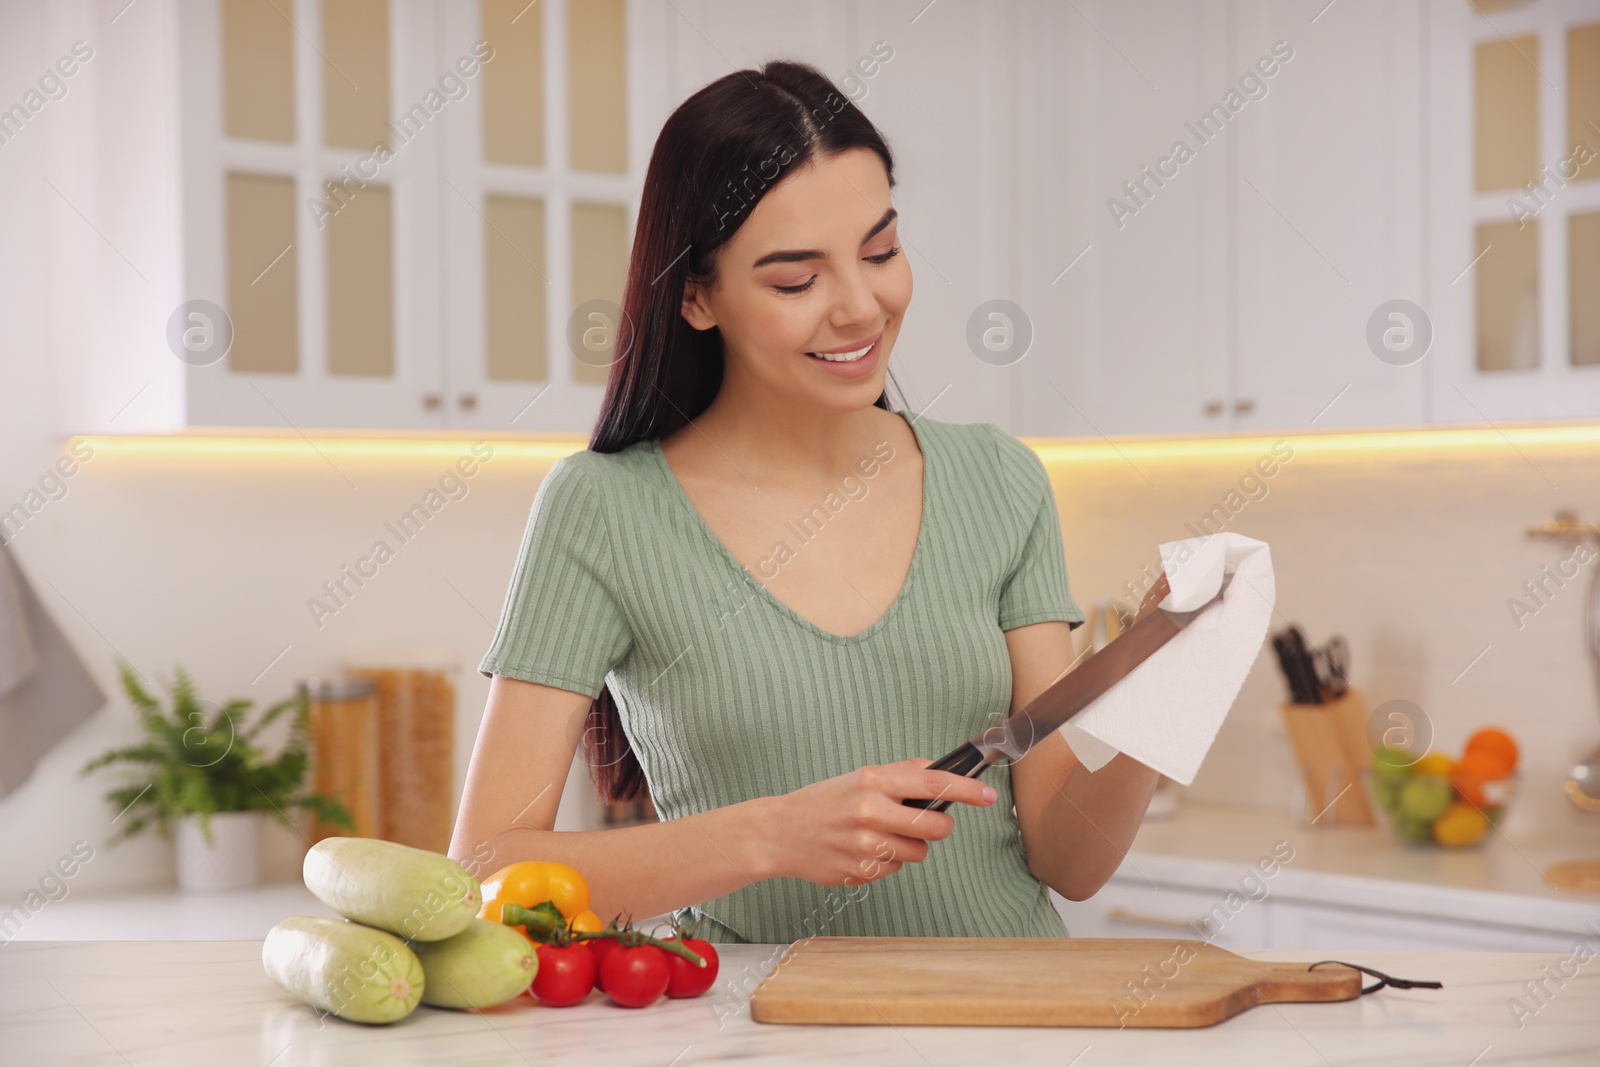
1295,925
1124,909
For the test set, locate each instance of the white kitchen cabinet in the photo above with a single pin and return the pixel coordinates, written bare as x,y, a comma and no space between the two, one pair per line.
1227,290
466,276
353,277
1131,906
287,340
1136,908
1244,187
1124,272
1523,237
1325,199
1244,292
1292,924
579,222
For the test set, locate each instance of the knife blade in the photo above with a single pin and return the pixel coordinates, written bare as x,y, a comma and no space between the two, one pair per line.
1304,665
1069,694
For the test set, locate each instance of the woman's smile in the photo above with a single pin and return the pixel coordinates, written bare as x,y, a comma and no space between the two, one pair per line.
850,362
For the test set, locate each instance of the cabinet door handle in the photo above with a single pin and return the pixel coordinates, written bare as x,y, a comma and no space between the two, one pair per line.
1212,408
1124,915
467,401
431,401
1244,407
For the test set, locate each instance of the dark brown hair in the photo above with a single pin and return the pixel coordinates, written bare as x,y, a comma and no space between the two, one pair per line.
716,156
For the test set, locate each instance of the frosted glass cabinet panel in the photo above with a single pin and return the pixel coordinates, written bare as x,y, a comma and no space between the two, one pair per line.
1508,296
599,269
1583,276
513,84
257,71
361,286
1506,109
1583,96
513,243
597,91
263,284
355,79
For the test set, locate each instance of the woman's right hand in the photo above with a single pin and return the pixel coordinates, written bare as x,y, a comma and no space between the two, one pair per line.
853,829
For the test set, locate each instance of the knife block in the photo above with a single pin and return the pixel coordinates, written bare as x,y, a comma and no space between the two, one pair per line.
1330,746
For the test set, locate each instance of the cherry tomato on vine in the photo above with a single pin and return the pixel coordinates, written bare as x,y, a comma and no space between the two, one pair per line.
602,947
565,975
636,977
684,979
586,921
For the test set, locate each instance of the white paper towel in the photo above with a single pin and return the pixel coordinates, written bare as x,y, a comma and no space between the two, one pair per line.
1167,711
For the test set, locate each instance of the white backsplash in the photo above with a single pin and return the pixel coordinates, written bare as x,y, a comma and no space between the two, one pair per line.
211,562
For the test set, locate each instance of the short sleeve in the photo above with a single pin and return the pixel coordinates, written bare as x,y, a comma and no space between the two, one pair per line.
1035,588
562,624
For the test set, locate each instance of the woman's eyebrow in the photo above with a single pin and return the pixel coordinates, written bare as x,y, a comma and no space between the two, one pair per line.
800,255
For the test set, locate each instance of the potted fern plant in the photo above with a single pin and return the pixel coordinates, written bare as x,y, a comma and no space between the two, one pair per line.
208,777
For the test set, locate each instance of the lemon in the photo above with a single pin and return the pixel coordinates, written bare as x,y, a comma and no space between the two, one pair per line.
1435,763
1462,824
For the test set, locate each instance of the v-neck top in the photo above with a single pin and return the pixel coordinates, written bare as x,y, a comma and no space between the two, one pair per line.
807,527
726,693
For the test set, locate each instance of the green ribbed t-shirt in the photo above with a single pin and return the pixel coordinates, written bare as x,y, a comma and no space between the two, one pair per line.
727,694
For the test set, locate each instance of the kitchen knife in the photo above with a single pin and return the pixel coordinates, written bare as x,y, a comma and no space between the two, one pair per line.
1071,693
1335,655
1300,654
1286,662
1298,669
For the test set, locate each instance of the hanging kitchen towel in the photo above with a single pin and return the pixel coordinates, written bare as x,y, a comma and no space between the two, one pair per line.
1167,711
45,692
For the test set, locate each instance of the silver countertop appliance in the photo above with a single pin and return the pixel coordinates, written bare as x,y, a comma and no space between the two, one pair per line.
1583,780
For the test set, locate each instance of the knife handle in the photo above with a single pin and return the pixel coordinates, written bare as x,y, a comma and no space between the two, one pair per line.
967,761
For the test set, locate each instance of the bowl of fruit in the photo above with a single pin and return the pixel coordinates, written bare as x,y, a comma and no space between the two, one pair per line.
1441,800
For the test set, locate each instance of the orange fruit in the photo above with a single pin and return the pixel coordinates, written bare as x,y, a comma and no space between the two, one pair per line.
586,921
1473,771
1461,825
1497,742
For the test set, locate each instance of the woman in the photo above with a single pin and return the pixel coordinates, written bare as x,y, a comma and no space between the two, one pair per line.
775,599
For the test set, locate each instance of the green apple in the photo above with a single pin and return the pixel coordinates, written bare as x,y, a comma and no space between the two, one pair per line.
1392,762
1425,797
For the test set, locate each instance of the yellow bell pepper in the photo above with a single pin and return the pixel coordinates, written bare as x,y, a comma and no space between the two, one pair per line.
530,883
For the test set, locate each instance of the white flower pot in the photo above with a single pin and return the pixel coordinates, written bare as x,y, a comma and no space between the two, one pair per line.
231,861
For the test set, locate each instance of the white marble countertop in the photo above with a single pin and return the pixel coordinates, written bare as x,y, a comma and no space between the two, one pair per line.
1500,881
209,1002
168,914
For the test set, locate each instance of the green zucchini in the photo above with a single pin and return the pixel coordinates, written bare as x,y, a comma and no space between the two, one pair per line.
344,968
484,965
410,892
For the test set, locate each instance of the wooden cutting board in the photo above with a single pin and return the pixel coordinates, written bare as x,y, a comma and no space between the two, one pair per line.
1028,981
1582,875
